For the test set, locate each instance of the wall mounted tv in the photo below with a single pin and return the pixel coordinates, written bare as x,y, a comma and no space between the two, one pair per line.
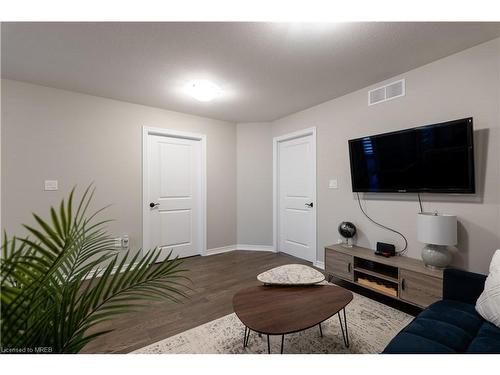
436,158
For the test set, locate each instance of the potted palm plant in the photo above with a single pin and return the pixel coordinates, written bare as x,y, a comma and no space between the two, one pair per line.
66,277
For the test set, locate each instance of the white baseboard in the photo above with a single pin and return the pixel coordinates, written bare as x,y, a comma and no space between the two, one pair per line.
220,250
255,247
225,249
319,264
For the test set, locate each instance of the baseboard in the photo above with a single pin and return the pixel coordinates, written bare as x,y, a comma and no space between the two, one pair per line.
255,247
220,250
319,264
225,249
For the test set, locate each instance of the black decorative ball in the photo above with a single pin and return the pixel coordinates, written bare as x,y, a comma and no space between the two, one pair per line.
347,229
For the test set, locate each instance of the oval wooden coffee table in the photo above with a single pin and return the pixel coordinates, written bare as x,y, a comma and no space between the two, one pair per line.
280,310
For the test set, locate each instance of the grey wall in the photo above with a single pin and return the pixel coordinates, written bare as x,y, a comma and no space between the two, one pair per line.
255,183
464,84
76,139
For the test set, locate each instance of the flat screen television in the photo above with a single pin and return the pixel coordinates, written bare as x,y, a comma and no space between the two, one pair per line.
436,158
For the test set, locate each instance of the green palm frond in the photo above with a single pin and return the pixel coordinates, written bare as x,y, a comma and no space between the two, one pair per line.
65,278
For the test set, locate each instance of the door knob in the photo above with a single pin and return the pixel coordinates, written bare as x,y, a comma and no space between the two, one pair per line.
153,205
310,205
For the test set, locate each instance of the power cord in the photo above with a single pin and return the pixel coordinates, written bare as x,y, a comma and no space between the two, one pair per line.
420,203
383,226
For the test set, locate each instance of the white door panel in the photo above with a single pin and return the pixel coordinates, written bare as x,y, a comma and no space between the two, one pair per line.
295,192
175,169
294,165
296,226
175,228
174,186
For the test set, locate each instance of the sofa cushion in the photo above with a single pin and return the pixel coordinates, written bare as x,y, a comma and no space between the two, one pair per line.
456,313
444,327
487,340
488,303
408,343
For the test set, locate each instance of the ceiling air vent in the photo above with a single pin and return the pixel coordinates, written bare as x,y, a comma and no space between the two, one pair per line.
388,92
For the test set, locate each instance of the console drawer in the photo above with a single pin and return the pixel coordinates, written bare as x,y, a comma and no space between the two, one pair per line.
419,289
339,265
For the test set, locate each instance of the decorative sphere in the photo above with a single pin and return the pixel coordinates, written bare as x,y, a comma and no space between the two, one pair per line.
347,229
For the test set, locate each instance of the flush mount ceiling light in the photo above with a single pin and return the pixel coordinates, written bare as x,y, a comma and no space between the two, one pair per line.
307,29
204,91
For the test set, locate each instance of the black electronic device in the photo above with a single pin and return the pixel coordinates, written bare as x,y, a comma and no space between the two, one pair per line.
385,249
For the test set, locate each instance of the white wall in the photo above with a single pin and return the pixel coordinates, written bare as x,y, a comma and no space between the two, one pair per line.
461,85
55,134
254,183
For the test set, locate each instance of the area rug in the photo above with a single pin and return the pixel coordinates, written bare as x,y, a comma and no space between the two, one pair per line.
371,326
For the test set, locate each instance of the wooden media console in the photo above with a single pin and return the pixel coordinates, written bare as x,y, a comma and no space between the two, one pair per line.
405,279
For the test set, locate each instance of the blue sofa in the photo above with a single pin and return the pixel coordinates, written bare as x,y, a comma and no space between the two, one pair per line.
451,325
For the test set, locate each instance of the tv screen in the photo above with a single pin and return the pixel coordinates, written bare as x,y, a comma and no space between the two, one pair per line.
435,158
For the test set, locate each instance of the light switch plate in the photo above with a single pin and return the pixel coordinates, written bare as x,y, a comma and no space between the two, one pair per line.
51,185
333,184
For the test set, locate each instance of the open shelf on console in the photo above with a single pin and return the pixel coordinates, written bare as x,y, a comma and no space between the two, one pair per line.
376,274
377,284
373,268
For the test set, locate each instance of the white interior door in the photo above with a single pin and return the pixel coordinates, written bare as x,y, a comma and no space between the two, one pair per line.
173,216
296,194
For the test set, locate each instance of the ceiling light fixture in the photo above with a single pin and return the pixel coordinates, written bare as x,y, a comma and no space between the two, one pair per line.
204,91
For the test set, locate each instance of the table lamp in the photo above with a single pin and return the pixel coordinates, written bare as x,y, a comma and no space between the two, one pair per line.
437,231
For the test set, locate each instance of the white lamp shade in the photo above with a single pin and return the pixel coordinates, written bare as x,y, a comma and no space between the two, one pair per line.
437,229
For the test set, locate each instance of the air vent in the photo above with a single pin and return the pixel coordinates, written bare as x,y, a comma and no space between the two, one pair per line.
388,92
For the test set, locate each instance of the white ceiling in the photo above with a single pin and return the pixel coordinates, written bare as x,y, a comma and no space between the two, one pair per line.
266,70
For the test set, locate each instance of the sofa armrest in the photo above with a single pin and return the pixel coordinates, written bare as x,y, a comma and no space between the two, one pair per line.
462,286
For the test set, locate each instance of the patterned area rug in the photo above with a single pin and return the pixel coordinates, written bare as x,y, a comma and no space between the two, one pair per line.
371,326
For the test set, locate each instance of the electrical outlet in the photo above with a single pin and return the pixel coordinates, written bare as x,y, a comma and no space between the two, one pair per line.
125,242
118,243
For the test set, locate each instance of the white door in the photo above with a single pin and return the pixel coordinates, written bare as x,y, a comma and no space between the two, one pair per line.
296,180
173,195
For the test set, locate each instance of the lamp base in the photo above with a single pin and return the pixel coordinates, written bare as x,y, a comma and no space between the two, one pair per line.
436,256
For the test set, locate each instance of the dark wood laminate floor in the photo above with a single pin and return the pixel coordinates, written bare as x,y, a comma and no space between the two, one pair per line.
215,280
